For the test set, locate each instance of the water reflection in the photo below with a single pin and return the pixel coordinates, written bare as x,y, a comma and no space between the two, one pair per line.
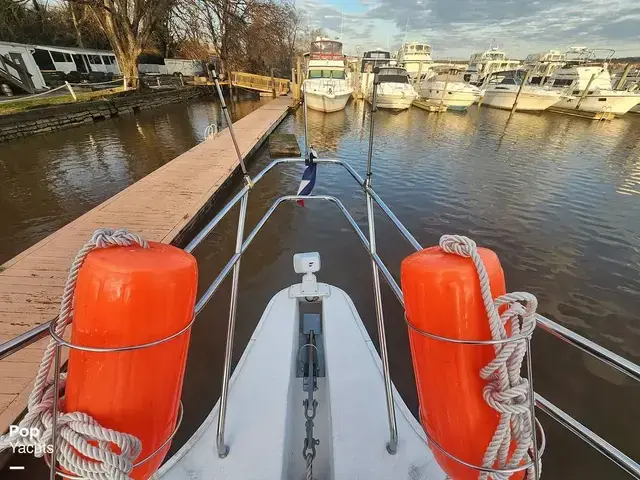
49,180
545,191
542,190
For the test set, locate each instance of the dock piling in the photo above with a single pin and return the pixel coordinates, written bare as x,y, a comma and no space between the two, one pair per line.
623,78
73,94
273,84
416,81
522,85
444,90
585,91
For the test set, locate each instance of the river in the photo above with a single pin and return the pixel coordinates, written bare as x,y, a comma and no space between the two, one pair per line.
48,180
558,198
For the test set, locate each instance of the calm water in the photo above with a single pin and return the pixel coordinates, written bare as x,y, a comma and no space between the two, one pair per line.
558,198
48,180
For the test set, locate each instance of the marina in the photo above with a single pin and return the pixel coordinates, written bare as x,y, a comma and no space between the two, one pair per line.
302,271
477,128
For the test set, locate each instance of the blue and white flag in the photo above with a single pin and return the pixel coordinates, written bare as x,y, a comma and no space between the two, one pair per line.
308,180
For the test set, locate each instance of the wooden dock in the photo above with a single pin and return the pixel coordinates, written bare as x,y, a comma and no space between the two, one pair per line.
600,116
430,106
159,207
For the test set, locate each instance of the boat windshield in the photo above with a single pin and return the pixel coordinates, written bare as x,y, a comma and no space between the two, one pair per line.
393,75
336,74
377,54
326,49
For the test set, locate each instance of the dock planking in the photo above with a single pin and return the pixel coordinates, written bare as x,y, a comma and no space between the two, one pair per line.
160,207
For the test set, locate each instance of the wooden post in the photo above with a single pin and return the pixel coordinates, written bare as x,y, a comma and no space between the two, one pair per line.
586,90
444,91
524,82
416,81
546,74
73,94
623,78
273,84
299,71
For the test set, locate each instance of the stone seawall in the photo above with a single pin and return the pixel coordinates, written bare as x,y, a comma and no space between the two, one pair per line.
44,120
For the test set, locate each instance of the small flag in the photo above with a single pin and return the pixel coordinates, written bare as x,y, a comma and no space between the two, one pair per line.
308,180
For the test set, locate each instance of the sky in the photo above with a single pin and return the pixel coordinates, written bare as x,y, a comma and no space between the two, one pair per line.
458,28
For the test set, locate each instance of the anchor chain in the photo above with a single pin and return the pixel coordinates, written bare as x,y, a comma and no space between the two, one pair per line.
310,405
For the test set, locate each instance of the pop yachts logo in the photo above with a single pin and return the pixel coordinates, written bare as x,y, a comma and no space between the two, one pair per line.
28,440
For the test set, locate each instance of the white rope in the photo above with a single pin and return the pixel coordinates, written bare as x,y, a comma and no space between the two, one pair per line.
76,429
36,95
211,131
89,84
507,392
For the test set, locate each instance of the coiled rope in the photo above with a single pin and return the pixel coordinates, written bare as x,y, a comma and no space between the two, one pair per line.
507,392
76,429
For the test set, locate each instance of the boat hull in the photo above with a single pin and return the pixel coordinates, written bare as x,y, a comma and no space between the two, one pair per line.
394,101
616,104
527,102
325,102
265,402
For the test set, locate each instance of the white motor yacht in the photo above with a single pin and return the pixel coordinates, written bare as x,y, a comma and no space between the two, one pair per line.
502,89
483,64
589,84
326,88
447,87
395,91
415,57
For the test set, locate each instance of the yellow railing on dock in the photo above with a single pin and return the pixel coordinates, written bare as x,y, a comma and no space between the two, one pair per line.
260,82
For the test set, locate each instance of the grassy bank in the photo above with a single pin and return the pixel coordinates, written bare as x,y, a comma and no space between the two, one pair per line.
23,105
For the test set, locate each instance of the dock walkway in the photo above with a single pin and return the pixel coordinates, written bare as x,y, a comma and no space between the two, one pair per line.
159,207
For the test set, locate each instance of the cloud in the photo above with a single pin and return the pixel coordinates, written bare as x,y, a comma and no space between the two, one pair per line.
457,28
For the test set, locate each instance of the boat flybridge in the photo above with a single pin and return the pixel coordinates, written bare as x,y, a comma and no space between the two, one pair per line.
483,64
588,84
327,87
311,396
543,64
415,57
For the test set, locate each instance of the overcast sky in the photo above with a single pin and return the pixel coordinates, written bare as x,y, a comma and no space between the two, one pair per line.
457,28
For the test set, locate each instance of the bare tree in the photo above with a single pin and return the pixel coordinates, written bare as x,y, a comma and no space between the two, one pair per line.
129,25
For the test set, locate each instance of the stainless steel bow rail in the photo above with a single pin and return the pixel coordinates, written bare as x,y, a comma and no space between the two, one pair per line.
242,243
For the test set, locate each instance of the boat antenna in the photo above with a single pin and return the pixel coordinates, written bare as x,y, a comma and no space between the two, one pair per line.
372,123
406,31
227,117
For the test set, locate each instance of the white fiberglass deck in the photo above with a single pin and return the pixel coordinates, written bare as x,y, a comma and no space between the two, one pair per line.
265,427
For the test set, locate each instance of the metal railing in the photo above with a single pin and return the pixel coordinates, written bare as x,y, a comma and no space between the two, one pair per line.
259,82
619,363
615,361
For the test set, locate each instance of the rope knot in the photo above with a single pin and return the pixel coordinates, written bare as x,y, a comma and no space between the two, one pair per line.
107,237
458,244
512,400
